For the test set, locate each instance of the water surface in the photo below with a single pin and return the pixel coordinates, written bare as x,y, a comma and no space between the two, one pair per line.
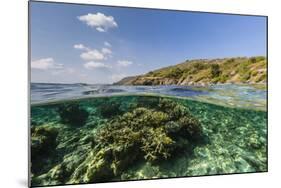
244,96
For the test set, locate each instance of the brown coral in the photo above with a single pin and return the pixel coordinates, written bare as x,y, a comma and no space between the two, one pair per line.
150,133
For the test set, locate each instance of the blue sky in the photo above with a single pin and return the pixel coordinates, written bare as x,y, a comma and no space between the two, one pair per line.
97,44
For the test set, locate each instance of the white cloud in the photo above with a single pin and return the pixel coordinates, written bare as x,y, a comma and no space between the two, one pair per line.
78,46
100,29
81,47
93,55
45,64
106,51
95,65
124,63
107,44
99,21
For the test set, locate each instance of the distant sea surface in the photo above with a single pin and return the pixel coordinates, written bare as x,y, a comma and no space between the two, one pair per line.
242,96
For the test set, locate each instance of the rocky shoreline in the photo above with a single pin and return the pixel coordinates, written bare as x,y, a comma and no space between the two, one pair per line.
156,82
205,72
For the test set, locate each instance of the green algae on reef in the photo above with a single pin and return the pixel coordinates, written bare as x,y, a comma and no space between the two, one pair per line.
143,137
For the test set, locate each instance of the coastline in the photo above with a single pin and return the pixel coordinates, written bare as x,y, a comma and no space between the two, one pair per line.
248,70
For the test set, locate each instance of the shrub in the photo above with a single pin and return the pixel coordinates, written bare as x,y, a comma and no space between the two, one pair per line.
175,73
151,73
255,73
246,76
243,67
223,78
231,60
215,70
252,60
199,66
260,58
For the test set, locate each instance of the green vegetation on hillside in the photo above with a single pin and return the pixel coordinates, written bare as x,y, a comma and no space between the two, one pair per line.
228,70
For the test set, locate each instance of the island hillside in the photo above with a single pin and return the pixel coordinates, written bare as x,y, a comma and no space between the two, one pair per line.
250,70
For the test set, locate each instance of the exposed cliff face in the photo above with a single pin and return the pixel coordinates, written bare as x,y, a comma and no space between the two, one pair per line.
203,72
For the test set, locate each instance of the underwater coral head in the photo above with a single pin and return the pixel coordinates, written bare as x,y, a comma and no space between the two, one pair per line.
73,114
110,108
43,144
151,134
154,131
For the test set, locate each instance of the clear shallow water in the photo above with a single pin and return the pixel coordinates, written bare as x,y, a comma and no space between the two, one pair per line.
234,138
245,96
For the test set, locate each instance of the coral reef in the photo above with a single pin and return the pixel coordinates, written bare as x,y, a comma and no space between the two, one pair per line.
43,143
72,148
151,130
72,114
150,134
110,108
143,137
